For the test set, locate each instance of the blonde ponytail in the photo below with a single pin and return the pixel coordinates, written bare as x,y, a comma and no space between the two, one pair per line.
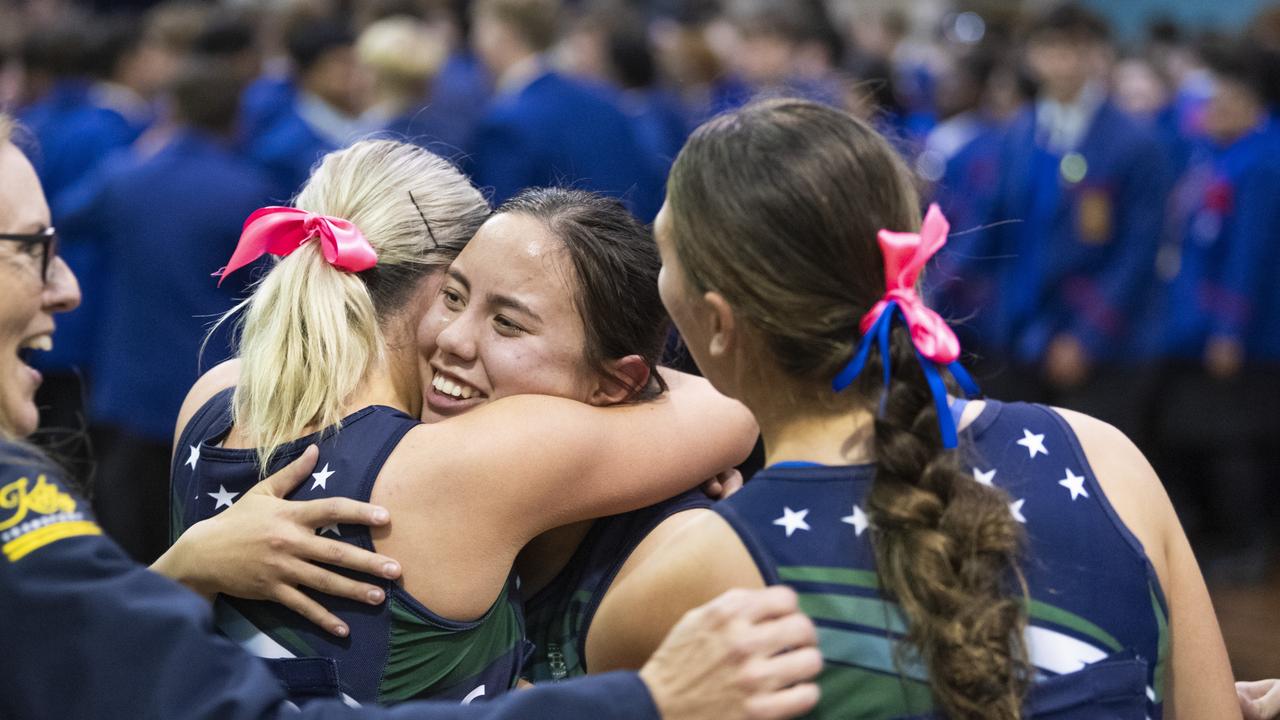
310,333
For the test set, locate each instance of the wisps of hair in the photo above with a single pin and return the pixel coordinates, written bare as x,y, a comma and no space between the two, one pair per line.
792,246
310,333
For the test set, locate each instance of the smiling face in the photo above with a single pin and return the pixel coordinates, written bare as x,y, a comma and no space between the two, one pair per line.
29,303
504,323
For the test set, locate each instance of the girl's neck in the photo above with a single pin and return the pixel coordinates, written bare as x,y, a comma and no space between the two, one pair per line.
392,382
799,431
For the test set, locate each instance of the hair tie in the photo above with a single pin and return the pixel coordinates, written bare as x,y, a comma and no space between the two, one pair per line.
937,348
281,230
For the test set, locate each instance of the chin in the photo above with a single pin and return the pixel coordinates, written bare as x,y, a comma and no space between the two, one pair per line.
22,423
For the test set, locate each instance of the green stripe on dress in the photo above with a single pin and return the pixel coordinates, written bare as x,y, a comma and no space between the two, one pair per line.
871,652
834,576
850,693
866,611
423,657
1048,613
865,614
1162,654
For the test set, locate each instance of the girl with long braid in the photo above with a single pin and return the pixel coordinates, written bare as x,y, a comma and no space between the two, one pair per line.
1026,564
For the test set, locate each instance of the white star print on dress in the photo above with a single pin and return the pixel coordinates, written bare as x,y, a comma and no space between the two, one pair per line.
330,528
1032,442
792,520
1075,484
984,477
321,478
223,497
858,520
1015,509
194,457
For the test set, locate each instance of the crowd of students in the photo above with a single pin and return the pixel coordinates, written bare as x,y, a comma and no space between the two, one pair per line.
1112,203
1108,250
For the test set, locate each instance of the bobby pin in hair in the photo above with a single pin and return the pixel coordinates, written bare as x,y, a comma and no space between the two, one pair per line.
434,243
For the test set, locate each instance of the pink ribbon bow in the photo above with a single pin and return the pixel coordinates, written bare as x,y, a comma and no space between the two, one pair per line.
905,255
281,230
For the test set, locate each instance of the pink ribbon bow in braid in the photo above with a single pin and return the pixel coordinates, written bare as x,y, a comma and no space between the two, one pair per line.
905,255
281,230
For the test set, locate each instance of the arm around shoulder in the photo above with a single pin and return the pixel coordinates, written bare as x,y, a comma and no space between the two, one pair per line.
550,461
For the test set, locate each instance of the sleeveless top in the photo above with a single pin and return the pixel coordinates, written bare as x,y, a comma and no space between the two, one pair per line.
1097,636
396,651
559,615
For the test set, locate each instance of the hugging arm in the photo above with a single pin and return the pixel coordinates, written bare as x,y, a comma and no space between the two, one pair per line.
550,461
265,547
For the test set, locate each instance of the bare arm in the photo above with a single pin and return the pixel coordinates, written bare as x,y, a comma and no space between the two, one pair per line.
545,462
701,560
1200,682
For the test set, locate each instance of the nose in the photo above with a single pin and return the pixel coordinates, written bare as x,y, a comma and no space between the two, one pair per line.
62,291
457,337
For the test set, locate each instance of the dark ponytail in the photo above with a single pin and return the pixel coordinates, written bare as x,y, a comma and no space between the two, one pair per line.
776,206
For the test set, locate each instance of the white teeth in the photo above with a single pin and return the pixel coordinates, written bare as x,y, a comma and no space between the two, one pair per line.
448,387
43,343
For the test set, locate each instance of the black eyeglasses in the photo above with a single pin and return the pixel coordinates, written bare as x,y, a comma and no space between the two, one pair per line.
47,239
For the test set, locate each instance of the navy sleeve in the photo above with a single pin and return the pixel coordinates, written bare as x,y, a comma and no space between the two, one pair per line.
612,696
1120,283
88,633
1245,271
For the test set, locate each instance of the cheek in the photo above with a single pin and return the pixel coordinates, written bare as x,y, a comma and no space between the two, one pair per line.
538,365
672,293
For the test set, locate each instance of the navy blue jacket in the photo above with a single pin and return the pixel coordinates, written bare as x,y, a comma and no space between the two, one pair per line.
1086,240
287,151
558,131
263,103
166,223
91,634
963,283
1219,263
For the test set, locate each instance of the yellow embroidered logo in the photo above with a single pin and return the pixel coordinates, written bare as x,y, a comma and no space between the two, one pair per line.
42,513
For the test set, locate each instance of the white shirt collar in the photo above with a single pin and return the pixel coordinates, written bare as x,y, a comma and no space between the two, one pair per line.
520,75
1062,127
327,121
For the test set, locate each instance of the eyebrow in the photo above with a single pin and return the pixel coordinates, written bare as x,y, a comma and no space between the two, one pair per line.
456,274
506,301
496,299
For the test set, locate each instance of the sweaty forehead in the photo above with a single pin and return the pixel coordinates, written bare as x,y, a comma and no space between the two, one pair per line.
22,205
515,253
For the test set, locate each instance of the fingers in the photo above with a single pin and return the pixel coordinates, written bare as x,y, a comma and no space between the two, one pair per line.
1256,688
344,555
332,583
313,611
730,482
787,669
339,510
755,605
288,477
774,636
791,702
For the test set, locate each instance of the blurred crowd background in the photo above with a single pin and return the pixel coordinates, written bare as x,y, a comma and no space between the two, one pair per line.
1111,172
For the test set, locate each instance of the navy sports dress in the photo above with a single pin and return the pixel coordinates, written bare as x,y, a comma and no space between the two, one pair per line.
559,615
1097,635
396,651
